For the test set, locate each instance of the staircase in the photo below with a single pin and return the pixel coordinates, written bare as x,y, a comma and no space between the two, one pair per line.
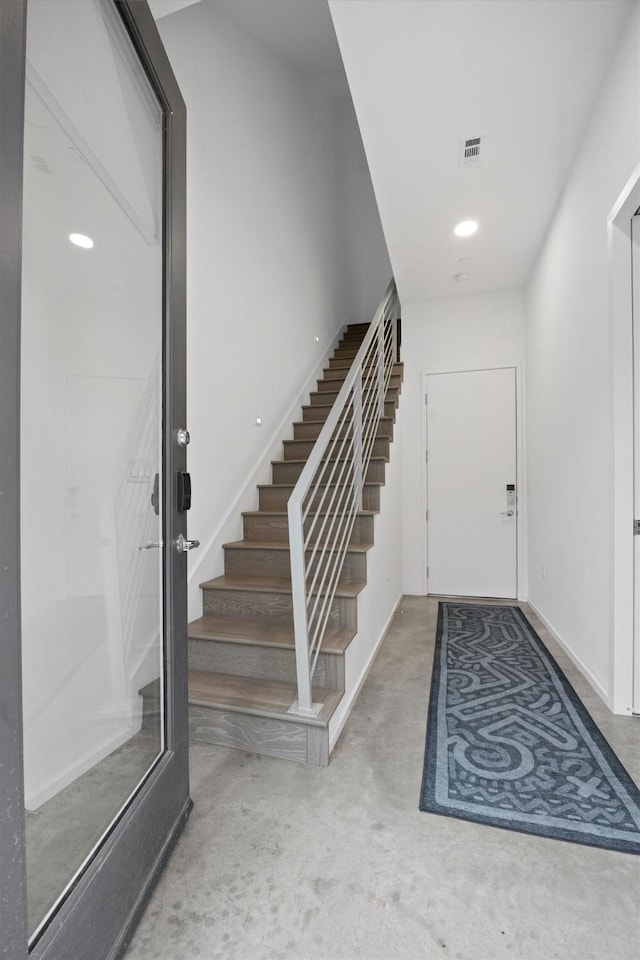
242,677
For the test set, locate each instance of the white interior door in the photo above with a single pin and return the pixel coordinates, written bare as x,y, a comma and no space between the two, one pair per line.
471,483
635,251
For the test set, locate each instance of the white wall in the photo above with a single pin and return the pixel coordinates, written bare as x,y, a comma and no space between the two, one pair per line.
570,387
453,333
268,266
366,260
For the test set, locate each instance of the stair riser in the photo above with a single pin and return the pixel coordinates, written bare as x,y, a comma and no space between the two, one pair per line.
340,362
258,605
265,735
350,348
321,412
311,431
331,384
260,529
276,498
339,373
328,396
263,562
288,471
258,662
301,449
345,353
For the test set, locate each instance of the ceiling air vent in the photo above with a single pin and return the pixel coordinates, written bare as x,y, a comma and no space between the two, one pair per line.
470,150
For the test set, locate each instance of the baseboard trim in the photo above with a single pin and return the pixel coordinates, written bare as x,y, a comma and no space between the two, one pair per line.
575,659
334,734
140,905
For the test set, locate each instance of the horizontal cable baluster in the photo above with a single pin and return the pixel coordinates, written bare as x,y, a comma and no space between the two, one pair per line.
346,467
318,544
337,492
339,463
345,448
322,588
335,564
312,585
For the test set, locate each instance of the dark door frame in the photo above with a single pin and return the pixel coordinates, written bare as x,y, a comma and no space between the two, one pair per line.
99,913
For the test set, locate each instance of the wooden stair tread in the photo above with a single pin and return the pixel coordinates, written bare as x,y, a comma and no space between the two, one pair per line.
229,581
292,486
283,513
378,436
333,460
284,545
398,366
266,698
306,423
274,632
334,393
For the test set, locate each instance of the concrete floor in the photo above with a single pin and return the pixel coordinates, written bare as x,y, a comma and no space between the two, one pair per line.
289,862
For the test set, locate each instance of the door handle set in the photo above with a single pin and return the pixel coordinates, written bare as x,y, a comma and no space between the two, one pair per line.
183,491
507,513
182,545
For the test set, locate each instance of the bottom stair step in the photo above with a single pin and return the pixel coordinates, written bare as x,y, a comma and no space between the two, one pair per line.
253,715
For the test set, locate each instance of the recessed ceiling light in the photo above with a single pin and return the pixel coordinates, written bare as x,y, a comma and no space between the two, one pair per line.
81,241
465,228
462,277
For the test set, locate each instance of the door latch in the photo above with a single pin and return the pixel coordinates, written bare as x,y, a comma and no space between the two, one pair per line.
636,528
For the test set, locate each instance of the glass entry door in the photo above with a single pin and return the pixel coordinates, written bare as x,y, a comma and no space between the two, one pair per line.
91,434
102,568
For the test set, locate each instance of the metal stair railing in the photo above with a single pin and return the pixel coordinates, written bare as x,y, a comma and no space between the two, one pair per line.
323,507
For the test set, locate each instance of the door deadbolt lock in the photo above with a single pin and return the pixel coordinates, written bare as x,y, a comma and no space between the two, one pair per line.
183,490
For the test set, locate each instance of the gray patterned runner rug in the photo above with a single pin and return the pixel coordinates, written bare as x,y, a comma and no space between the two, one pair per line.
510,744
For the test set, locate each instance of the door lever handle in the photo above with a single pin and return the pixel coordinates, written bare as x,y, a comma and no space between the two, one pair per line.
151,545
183,545
506,513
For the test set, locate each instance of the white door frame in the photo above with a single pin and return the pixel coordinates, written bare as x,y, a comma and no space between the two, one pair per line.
521,519
621,507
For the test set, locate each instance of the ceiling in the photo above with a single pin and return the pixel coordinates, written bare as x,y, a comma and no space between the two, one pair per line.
299,31
426,74
162,8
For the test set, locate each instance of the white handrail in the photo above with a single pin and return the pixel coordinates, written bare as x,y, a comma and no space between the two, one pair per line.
320,527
